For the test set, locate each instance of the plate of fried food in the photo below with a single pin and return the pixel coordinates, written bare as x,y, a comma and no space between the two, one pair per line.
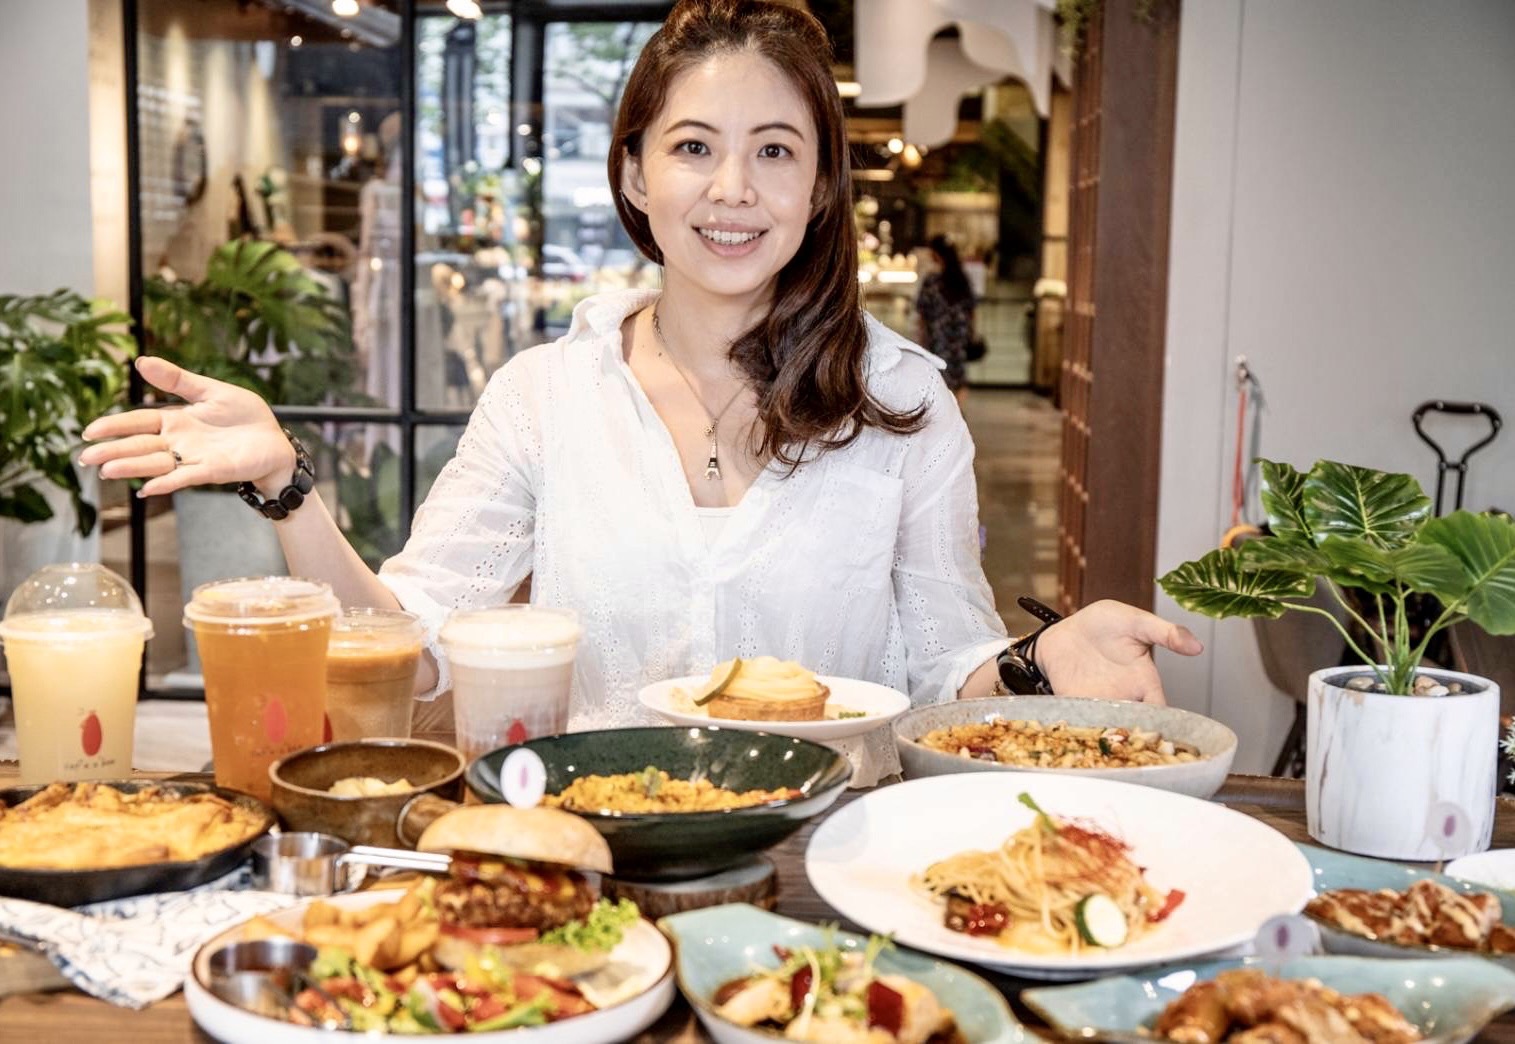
1053,876
74,843
513,944
766,694
1163,747
1311,1000
1374,908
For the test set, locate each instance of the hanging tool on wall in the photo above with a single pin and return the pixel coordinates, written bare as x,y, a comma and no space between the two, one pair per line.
1249,398
1443,465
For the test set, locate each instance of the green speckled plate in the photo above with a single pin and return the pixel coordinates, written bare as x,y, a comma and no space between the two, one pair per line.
679,845
1447,1000
721,943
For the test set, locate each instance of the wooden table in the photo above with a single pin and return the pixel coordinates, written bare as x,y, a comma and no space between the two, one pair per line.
62,1013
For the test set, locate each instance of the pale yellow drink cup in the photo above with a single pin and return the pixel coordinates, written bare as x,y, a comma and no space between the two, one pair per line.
371,667
262,647
512,672
73,637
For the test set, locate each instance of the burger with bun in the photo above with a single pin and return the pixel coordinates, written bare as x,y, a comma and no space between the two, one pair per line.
517,891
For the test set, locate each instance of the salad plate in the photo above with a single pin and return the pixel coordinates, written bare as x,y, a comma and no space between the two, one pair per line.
630,993
1234,872
1447,1001
720,944
853,708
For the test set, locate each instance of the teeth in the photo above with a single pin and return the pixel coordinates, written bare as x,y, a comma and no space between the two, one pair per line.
728,238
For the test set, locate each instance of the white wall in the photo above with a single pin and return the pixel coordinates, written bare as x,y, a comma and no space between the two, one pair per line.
1343,216
45,229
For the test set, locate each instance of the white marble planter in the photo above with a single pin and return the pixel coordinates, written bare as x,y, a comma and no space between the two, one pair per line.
1377,765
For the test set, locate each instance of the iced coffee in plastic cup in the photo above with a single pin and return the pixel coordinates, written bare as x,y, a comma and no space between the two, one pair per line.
512,669
263,651
371,668
73,637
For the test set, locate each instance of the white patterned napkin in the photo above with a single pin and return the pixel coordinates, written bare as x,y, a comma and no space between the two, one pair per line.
135,951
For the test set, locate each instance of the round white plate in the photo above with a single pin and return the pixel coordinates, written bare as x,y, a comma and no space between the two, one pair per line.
632,992
879,704
1235,872
1492,869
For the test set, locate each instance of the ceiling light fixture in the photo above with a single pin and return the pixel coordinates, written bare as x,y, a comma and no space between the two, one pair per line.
296,41
896,146
466,9
848,88
345,8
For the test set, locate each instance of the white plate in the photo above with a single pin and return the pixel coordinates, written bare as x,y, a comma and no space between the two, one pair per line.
1235,871
879,704
632,992
1492,869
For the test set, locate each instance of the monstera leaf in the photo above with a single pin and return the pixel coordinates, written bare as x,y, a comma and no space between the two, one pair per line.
1283,497
1218,585
1422,567
1384,509
1485,547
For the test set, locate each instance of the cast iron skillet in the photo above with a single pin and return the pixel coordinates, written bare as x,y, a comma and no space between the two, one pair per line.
77,887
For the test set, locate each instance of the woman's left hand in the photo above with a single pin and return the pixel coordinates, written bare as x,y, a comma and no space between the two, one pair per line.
1105,649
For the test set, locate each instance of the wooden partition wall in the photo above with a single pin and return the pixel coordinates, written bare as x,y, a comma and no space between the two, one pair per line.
1125,82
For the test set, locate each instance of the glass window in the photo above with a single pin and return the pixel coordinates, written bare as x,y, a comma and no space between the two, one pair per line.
269,152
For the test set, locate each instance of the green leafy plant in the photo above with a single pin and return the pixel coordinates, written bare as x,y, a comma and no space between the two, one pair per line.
258,319
1347,526
62,364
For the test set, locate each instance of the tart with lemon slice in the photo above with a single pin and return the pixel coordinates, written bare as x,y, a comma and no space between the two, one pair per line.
763,689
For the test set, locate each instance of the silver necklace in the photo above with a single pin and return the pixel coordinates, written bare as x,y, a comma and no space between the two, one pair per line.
713,464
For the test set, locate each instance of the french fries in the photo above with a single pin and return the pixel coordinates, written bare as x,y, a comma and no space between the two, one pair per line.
391,937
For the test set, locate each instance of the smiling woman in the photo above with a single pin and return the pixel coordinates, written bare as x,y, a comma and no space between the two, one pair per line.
744,465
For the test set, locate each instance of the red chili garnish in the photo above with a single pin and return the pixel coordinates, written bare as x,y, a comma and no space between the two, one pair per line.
799,987
1169,905
886,1008
781,952
986,919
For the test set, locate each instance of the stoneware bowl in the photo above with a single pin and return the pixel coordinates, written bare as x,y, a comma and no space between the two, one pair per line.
1202,778
301,781
673,846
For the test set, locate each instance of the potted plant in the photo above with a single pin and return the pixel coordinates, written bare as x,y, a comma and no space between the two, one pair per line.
260,320
61,365
1392,745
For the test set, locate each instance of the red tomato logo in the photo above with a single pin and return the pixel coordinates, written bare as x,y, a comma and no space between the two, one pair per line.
517,733
91,735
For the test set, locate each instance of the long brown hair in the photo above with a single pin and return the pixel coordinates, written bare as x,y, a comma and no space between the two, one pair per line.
807,357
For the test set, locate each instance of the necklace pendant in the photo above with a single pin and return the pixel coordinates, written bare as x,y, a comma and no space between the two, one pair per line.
712,469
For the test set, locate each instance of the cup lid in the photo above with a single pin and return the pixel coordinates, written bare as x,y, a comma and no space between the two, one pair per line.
511,628
261,599
73,599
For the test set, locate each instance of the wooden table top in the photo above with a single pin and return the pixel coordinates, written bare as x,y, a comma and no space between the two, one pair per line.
63,1013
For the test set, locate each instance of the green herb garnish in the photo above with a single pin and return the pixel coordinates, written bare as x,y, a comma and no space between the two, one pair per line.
1048,824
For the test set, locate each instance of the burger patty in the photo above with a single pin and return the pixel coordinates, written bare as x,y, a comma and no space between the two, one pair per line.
515,897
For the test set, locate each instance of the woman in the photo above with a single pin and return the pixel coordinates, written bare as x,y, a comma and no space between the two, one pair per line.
945,304
740,465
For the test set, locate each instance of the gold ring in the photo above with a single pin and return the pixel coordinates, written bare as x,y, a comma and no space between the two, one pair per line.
178,460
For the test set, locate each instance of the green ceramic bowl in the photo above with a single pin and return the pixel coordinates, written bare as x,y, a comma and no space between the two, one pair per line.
677,845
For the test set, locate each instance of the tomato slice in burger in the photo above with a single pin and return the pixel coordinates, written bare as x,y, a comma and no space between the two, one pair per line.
490,936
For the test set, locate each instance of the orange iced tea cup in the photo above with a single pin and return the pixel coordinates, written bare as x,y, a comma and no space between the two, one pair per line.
371,673
263,651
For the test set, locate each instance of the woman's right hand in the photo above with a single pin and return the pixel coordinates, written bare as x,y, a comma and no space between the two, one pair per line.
223,434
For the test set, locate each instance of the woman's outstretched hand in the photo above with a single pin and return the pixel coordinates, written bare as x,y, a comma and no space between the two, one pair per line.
223,434
1105,649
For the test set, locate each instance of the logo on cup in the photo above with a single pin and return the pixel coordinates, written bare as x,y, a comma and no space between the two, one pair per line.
517,733
275,720
91,735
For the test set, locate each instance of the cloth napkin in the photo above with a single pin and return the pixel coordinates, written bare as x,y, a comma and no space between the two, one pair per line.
133,952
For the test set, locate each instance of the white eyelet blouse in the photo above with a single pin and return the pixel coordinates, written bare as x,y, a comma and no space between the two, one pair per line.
863,564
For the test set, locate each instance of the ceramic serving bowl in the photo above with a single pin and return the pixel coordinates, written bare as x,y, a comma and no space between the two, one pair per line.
680,845
1215,742
301,782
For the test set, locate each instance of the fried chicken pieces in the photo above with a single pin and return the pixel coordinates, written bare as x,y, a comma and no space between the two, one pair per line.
1245,1006
1425,914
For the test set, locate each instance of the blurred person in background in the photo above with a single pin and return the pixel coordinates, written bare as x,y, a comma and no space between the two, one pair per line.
945,305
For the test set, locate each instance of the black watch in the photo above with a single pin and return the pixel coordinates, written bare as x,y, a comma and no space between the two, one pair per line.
292,495
1017,665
